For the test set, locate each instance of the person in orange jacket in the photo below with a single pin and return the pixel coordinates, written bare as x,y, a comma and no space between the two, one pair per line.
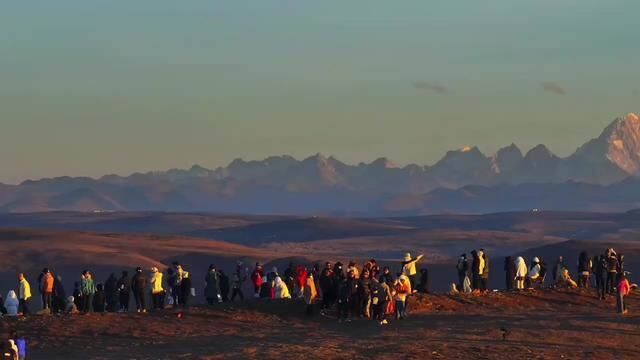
46,287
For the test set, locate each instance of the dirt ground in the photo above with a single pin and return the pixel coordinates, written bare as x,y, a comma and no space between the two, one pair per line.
543,324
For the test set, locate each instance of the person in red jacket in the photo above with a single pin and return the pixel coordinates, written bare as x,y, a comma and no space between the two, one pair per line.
256,279
623,290
301,278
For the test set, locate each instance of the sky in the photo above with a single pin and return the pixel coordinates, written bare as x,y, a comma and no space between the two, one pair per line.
96,87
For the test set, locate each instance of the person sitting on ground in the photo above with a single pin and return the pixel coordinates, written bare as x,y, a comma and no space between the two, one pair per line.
282,291
11,304
521,273
567,281
534,273
70,307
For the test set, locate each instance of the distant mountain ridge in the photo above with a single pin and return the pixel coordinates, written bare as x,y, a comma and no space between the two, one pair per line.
318,184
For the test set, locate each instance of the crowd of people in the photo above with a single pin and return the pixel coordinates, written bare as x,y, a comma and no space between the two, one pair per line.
605,272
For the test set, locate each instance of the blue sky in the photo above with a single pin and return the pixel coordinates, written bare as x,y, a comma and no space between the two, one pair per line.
94,87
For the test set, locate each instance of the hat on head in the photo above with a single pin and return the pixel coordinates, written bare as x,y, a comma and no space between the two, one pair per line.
407,256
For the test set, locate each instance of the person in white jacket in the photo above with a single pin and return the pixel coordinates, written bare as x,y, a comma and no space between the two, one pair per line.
11,303
534,272
521,272
282,291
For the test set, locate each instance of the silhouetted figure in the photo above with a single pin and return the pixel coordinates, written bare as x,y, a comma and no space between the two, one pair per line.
111,293
124,289
509,272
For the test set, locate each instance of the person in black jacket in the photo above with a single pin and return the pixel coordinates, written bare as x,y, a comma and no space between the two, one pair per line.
346,288
59,295
387,276
111,293
463,270
185,290
424,285
475,270
612,271
584,269
124,288
509,272
99,299
138,286
601,271
224,286
327,288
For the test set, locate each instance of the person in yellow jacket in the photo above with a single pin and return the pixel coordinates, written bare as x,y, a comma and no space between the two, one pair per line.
409,267
157,292
24,295
310,293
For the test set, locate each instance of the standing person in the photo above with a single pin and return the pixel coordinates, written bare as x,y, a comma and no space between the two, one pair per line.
310,293
59,295
138,286
289,277
612,271
484,275
402,289
475,270
509,272
77,295
124,289
620,266
185,289
236,285
409,267
425,282
301,278
224,286
601,276
212,285
521,272
584,269
46,289
558,272
344,299
256,279
111,293
40,276
463,269
327,288
99,299
623,290
88,289
364,295
384,297
282,291
176,283
157,291
387,276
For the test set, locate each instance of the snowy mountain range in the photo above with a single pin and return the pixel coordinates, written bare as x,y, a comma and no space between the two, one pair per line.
471,180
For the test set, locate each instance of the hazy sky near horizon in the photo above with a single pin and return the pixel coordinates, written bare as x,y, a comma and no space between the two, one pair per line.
96,87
